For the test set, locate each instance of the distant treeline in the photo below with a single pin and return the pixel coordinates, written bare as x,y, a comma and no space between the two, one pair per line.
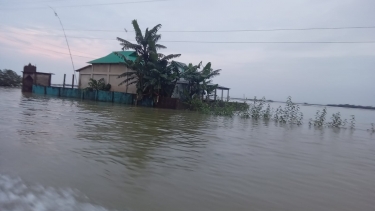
351,106
9,78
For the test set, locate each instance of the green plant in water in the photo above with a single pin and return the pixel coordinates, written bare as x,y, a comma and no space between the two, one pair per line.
197,104
372,128
320,118
352,122
267,114
290,114
255,110
218,108
337,121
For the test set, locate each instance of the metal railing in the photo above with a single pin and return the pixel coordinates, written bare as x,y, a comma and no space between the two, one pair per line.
66,85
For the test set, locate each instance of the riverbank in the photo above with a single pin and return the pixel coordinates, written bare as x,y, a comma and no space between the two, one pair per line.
351,106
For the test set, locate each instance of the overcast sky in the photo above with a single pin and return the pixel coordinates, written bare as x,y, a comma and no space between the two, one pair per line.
314,73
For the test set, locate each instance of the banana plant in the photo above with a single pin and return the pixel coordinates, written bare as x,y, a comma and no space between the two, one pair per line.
98,85
199,79
152,72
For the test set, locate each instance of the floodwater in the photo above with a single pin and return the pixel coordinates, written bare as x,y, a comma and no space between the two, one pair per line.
65,154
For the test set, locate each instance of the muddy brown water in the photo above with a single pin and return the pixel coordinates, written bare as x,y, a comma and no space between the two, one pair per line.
65,154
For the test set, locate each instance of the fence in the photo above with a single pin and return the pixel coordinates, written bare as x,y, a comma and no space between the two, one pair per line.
107,96
104,96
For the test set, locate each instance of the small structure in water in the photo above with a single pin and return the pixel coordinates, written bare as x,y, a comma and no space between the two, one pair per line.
32,77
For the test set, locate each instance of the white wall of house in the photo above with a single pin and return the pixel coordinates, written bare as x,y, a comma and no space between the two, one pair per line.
110,73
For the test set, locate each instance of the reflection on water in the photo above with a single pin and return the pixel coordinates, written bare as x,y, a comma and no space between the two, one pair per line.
132,158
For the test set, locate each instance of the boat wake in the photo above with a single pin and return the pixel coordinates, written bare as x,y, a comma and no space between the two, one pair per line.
15,195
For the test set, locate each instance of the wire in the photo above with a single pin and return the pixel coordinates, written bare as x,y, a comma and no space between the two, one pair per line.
238,30
89,5
234,30
226,42
67,43
281,42
23,2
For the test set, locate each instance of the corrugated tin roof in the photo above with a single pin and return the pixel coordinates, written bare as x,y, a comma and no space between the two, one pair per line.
183,81
112,58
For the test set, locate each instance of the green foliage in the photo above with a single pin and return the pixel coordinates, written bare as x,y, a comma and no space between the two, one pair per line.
320,118
199,80
352,122
197,104
218,108
256,110
9,78
152,72
98,85
221,108
336,120
259,109
290,114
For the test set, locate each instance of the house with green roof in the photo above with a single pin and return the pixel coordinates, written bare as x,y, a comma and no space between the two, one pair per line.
109,68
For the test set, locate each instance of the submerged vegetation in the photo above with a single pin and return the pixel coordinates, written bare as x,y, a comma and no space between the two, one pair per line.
218,108
336,120
372,128
260,110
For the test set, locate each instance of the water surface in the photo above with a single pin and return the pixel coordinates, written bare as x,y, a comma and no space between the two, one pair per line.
66,154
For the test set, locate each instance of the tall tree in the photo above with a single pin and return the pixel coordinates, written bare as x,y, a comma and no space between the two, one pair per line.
152,72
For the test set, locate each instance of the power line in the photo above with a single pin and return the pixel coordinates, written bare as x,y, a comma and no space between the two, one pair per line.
23,2
89,5
226,42
67,43
235,30
238,30
276,42
281,29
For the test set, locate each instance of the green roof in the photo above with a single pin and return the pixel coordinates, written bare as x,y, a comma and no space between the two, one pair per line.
181,66
112,58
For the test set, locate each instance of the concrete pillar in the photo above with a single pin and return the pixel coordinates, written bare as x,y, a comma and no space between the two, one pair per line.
222,95
64,81
215,94
228,96
73,81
